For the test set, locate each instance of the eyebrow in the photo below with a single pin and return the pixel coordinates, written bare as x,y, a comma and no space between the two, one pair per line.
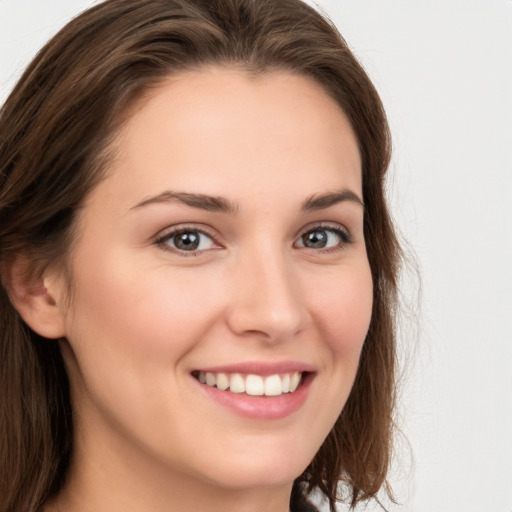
223,205
320,202
201,201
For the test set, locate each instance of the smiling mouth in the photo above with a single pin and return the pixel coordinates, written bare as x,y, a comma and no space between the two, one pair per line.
252,384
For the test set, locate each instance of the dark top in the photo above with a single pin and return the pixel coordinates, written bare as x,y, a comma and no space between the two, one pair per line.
306,506
299,501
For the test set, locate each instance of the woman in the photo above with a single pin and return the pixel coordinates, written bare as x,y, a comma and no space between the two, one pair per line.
198,265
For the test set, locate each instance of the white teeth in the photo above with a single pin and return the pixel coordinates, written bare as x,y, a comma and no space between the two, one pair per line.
237,383
294,382
286,383
255,385
273,386
222,381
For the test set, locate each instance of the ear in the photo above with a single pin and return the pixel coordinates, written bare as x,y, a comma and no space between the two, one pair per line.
36,297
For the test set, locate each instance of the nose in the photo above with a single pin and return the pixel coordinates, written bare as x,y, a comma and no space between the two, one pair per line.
266,301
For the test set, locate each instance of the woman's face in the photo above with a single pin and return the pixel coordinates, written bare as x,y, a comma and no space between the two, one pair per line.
226,244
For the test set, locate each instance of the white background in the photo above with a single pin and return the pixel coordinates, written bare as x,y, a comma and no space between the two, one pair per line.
444,71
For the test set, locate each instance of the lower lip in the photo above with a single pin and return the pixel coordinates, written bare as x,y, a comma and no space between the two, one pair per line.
261,407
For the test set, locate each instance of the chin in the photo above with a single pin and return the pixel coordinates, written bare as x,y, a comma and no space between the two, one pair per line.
246,472
255,479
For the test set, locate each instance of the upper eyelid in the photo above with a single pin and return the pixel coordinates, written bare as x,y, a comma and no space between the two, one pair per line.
336,226
344,234
167,232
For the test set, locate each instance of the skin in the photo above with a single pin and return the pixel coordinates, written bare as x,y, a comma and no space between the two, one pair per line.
143,315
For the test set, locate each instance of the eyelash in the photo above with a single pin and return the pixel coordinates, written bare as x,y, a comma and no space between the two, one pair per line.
344,236
165,237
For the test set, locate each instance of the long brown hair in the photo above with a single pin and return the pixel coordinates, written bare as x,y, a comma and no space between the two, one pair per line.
55,130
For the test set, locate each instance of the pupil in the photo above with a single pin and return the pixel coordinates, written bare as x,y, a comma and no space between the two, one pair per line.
315,239
187,241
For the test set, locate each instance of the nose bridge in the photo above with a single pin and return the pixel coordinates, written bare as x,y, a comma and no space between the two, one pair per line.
267,299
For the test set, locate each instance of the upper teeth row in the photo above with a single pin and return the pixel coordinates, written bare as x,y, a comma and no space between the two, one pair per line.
272,385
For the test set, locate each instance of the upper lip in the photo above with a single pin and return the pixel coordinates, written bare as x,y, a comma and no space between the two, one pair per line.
260,367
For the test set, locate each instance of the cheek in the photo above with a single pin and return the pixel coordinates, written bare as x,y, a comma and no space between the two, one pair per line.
130,333
155,317
343,309
342,314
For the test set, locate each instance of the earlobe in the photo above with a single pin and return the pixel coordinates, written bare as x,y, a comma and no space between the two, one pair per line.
36,301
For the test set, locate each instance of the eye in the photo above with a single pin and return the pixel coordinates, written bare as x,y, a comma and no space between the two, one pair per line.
324,238
186,240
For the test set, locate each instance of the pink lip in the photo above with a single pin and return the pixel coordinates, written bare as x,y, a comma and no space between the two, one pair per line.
261,368
261,407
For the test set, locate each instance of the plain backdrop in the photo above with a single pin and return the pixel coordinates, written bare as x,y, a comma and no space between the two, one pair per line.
444,71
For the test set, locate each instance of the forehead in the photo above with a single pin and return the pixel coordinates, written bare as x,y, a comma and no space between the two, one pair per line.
208,129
